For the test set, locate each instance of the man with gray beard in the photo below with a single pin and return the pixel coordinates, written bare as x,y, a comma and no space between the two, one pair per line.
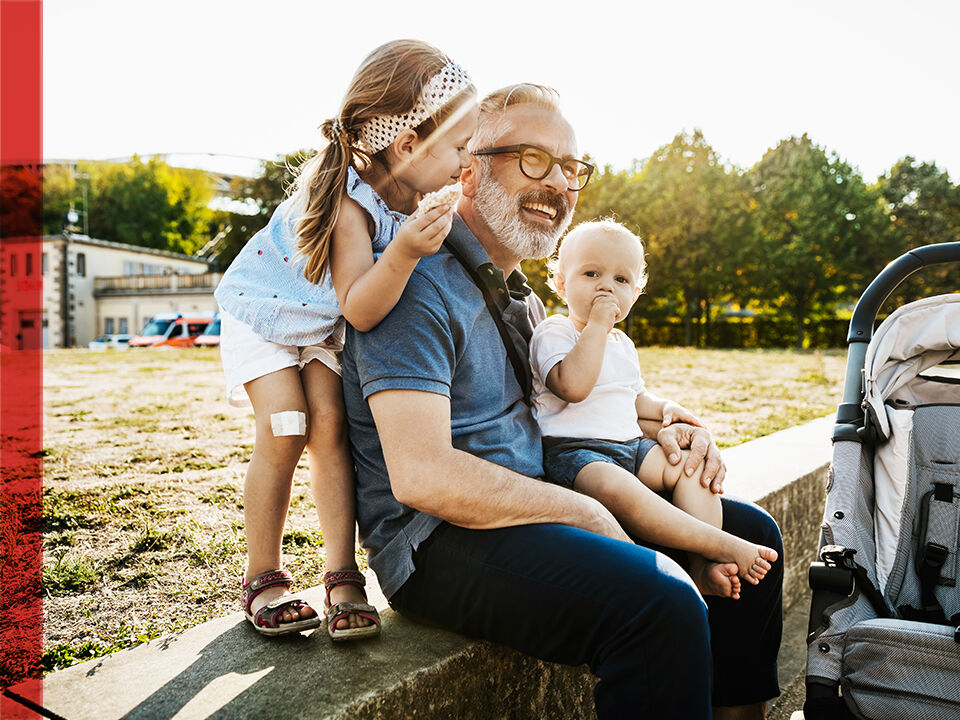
458,527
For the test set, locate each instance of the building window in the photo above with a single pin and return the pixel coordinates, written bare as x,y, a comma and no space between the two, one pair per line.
108,326
123,325
29,264
81,265
43,263
13,265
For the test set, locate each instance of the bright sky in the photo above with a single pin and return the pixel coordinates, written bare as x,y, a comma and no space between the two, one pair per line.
873,80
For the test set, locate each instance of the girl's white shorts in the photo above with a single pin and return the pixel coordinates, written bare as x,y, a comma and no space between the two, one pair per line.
247,356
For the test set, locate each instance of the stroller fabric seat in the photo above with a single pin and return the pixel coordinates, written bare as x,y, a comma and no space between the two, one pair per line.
885,619
911,341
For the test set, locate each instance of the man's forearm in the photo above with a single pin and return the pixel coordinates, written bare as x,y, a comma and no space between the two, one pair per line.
471,492
429,474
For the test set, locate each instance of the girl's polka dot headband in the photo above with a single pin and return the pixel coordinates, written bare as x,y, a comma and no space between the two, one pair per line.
380,131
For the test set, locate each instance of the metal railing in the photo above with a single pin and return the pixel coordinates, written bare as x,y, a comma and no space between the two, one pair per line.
132,284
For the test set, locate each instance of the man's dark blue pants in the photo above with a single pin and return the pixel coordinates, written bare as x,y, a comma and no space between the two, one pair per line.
630,613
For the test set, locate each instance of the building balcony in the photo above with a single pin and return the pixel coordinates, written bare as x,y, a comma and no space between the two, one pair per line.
172,284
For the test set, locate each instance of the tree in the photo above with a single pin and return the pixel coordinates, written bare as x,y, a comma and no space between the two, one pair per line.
693,215
923,207
262,194
20,202
821,231
150,204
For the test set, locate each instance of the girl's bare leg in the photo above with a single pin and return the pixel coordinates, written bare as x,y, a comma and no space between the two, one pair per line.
332,478
266,493
689,495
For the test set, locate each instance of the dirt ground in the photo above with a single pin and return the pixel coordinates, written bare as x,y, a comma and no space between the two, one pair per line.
144,465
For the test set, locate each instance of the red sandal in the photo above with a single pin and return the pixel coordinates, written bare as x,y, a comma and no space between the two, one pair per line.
266,620
341,610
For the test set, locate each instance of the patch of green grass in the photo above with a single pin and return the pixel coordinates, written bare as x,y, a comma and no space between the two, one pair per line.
69,510
220,494
721,406
298,500
816,378
144,424
68,574
189,465
143,457
302,538
152,540
107,470
67,538
244,452
53,404
64,655
786,417
140,579
207,551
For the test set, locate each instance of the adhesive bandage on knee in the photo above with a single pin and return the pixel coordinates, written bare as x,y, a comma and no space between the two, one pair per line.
289,422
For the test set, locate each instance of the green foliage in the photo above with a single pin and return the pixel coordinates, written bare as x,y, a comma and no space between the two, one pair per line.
693,214
821,231
68,574
923,208
302,538
150,204
64,655
264,192
694,218
20,202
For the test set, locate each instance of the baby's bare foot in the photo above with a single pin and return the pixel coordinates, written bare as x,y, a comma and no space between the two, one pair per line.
712,578
753,561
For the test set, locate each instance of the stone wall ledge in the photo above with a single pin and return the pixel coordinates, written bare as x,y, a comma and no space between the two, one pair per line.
222,669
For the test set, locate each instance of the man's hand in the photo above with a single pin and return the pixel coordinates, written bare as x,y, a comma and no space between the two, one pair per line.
702,449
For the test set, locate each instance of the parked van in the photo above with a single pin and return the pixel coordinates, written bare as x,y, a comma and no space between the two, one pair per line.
172,330
211,336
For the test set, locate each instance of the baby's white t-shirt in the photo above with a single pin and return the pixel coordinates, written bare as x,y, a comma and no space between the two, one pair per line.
609,412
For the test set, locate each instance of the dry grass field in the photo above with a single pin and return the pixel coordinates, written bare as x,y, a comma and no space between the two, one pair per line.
144,464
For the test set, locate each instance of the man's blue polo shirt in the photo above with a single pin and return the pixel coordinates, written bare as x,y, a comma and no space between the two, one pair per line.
440,338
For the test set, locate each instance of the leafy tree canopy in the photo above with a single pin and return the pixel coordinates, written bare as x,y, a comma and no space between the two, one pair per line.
150,204
821,231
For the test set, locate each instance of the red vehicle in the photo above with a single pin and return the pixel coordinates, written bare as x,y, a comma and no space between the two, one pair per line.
211,336
172,330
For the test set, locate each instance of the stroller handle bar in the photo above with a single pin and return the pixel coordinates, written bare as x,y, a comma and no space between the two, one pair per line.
850,417
865,313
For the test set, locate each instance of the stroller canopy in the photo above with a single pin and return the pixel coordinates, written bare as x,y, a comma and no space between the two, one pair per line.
912,339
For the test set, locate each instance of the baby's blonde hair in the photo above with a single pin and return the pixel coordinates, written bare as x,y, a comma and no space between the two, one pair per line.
607,226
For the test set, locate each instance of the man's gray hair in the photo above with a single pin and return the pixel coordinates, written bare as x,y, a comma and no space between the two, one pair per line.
494,105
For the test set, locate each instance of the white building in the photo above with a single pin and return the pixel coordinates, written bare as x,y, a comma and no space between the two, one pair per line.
91,287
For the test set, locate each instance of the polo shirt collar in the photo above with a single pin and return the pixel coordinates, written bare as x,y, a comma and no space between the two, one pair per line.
470,248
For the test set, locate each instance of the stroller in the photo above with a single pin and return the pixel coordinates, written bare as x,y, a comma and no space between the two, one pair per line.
884,633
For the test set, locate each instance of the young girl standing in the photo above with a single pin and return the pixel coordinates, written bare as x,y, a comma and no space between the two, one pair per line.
401,133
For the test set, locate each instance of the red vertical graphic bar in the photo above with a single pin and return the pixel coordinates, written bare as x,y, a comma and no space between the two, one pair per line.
21,358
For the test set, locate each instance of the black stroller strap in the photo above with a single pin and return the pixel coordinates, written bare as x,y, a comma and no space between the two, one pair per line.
521,366
842,557
931,556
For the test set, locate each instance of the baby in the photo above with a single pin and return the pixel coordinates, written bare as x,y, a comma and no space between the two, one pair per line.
588,398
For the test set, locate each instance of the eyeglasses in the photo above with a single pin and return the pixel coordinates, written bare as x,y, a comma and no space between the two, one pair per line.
536,164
